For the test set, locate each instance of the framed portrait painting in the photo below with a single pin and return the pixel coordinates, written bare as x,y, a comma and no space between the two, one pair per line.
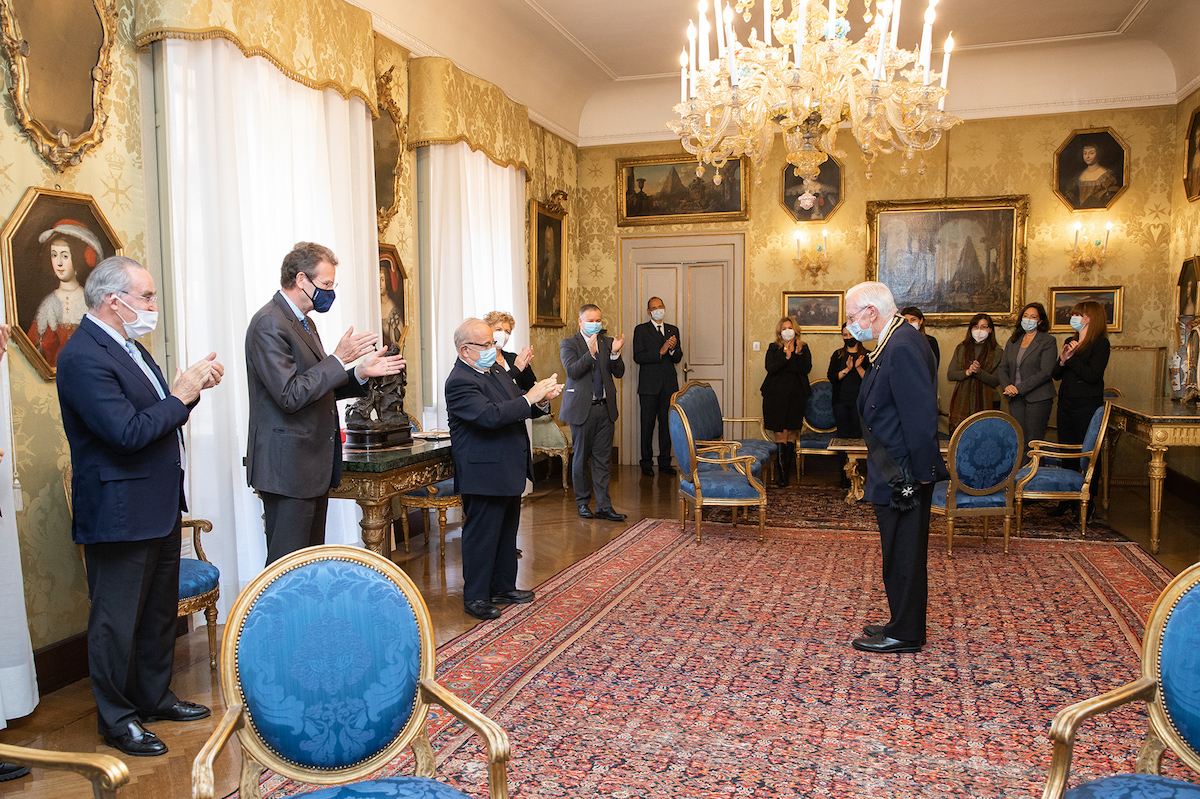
1091,169
815,311
816,201
952,258
393,296
547,259
1189,276
388,136
665,190
1191,163
1063,299
49,246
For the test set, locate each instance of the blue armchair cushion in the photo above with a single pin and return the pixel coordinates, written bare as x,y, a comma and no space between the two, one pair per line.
755,468
965,501
196,577
1179,662
818,412
406,787
759,448
722,485
1051,478
444,489
1135,786
986,454
328,661
815,441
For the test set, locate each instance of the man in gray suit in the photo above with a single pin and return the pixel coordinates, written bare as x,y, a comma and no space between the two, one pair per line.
294,450
589,405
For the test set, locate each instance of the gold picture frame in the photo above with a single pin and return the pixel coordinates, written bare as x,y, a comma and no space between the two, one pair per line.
829,192
394,305
388,135
952,257
48,248
1110,161
677,195
49,99
1191,161
1064,298
815,311
547,265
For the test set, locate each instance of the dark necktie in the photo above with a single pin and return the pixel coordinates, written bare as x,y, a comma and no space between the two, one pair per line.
304,321
597,378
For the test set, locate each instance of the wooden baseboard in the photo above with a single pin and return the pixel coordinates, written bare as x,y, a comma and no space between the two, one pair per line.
1183,487
61,663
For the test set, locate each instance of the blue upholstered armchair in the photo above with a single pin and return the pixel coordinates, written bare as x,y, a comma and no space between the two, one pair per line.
714,479
820,425
703,409
1044,478
327,669
1170,687
985,452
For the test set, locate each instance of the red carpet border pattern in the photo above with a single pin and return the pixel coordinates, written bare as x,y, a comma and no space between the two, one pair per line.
661,668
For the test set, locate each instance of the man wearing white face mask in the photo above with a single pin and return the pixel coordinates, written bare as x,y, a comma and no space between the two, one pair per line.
656,350
122,423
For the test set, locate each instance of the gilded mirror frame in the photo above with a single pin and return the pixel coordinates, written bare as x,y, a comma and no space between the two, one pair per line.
388,106
59,150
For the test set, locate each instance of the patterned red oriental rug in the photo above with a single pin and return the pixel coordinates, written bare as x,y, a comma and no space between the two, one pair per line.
661,668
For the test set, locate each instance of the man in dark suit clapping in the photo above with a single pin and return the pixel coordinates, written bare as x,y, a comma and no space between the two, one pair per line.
589,405
656,350
492,459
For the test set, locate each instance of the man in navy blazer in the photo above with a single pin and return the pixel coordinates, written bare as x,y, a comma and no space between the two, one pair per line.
898,404
656,350
123,422
492,460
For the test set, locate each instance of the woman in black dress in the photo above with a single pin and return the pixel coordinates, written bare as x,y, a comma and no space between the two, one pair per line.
1080,367
847,368
786,391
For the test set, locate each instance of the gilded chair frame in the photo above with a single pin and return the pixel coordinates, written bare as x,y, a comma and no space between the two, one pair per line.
1160,732
563,452
206,602
439,503
801,451
1008,485
1039,449
106,773
724,445
256,756
741,463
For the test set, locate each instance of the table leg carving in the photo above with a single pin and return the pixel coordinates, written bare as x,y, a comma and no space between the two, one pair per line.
1105,465
376,523
855,493
1158,473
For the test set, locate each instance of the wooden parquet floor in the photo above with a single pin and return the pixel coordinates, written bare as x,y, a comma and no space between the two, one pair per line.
552,537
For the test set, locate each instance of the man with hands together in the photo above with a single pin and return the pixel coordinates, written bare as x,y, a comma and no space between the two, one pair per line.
656,350
294,447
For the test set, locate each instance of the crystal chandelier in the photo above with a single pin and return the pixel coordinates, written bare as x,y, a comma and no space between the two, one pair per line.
807,85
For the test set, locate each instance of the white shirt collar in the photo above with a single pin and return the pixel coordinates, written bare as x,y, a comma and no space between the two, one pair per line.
118,336
295,308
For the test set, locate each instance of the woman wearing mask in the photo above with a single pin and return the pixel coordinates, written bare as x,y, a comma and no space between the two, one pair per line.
517,365
847,368
1080,367
974,370
917,319
785,391
1025,371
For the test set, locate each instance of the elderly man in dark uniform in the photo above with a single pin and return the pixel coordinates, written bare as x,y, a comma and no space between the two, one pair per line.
898,404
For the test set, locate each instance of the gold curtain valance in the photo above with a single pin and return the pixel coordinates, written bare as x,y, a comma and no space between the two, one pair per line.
446,106
323,44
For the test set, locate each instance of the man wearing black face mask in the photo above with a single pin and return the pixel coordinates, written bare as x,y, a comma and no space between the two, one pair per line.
294,449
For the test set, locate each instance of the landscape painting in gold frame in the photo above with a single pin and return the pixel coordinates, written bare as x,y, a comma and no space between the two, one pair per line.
665,190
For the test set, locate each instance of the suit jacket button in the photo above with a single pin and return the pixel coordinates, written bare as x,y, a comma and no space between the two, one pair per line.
331,438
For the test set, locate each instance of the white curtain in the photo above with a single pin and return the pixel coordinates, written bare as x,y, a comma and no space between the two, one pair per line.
18,683
476,251
255,162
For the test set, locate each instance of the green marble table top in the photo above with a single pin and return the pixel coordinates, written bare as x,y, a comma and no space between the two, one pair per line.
389,459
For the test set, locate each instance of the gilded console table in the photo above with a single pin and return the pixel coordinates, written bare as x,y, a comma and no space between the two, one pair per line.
1161,423
855,450
372,478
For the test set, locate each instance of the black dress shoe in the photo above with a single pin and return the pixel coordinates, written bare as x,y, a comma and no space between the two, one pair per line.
585,512
481,609
871,630
647,471
667,470
136,741
610,514
9,771
180,711
513,597
885,645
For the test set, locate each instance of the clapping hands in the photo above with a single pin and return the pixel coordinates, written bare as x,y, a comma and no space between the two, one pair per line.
544,390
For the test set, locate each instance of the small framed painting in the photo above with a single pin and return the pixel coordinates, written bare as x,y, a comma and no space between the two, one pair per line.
815,311
393,287
1091,169
1063,299
813,200
1188,299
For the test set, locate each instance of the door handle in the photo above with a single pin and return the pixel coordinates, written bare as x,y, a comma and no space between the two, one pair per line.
686,370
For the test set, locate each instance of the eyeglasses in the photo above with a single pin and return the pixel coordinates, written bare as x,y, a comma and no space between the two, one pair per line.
487,346
850,317
149,298
330,285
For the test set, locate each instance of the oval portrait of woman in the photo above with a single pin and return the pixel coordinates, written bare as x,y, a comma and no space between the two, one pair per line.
50,246
1090,169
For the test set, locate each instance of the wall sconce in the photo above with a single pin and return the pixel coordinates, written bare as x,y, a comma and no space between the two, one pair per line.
813,257
1087,252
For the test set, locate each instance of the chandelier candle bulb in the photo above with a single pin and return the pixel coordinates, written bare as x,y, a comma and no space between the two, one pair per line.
1107,232
832,28
824,242
720,28
683,76
767,22
883,40
691,34
927,41
949,47
895,21
801,33
1078,226
703,38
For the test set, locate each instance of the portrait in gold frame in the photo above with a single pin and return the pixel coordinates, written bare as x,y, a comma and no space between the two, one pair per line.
547,265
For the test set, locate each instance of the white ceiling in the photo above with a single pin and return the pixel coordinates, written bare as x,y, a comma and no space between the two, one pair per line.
603,71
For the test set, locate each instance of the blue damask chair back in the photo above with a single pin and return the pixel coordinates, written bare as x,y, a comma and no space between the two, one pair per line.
985,452
818,413
1170,687
328,670
681,442
1092,436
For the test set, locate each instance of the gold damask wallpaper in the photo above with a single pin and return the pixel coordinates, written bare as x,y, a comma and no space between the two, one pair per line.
55,590
1001,156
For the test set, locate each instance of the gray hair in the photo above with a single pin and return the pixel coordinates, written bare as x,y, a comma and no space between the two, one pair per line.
873,293
113,275
462,335
588,307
